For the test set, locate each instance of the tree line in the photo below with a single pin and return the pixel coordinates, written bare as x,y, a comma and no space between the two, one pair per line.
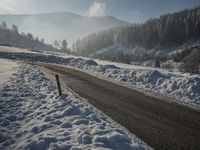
12,37
190,59
62,45
165,31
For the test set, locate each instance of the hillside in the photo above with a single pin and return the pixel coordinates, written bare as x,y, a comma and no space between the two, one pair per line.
61,25
12,38
167,31
149,43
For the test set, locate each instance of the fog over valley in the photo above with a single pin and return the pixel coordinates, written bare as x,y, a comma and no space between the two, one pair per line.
57,26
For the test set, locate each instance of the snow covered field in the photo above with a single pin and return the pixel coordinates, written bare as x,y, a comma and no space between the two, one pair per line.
32,116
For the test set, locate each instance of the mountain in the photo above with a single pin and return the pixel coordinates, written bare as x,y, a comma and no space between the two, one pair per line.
57,26
161,33
150,43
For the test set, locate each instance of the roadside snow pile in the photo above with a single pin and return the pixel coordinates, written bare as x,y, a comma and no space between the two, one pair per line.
33,117
177,87
182,88
7,68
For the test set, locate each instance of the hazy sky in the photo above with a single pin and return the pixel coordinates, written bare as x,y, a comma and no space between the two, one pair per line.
130,10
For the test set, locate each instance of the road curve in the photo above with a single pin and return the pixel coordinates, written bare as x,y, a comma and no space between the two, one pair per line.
160,124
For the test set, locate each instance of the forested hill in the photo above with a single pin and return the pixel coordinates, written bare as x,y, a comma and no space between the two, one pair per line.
165,31
12,37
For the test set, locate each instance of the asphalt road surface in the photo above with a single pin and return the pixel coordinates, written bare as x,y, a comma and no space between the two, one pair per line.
160,124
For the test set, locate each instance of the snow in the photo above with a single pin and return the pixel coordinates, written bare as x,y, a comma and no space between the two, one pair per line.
179,48
182,88
179,87
11,49
7,68
112,50
32,116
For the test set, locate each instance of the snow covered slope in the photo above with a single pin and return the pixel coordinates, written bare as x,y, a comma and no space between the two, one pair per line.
183,88
32,116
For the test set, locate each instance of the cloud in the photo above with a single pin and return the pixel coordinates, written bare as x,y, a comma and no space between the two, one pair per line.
6,9
97,9
12,6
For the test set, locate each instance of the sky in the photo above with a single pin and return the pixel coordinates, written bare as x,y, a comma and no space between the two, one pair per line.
134,11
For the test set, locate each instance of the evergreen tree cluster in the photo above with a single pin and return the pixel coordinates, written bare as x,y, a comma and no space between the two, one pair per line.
12,37
167,30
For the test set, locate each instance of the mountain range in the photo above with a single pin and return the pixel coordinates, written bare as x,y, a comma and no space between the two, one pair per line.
60,25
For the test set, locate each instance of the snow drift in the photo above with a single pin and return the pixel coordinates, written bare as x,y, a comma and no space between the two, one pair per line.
183,88
33,117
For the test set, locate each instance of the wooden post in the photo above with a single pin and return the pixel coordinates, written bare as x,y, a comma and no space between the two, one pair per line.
58,85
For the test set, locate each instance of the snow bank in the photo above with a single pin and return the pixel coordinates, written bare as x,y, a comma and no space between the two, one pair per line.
7,68
183,88
12,49
33,117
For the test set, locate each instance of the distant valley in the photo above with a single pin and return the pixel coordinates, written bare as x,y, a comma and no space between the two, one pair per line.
57,26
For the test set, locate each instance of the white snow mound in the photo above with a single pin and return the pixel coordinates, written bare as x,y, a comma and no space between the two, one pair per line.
33,117
7,68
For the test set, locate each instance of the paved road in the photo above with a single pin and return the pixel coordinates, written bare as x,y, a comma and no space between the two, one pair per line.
160,124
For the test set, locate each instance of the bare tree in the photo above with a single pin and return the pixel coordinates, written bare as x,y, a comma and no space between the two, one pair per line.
42,40
191,63
56,44
157,63
4,25
64,45
30,36
14,28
